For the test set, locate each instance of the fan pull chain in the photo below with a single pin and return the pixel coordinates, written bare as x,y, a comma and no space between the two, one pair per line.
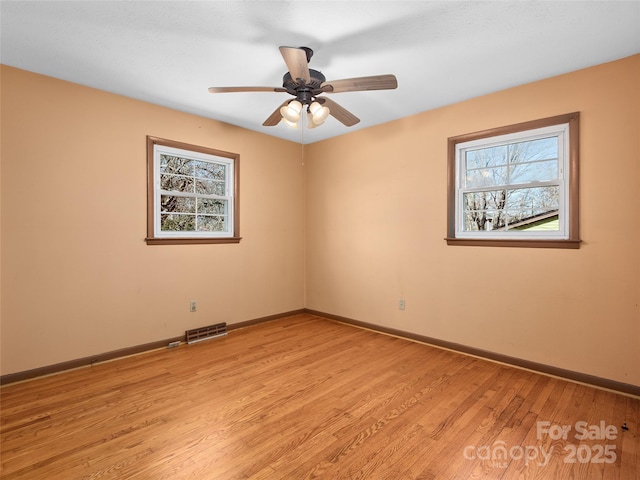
302,140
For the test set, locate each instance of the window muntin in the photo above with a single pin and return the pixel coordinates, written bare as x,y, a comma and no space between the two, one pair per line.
511,179
515,185
193,193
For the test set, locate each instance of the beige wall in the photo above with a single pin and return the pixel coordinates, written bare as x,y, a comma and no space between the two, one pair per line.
78,279
376,219
77,276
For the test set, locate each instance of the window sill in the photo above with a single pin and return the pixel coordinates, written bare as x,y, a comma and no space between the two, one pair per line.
191,241
473,242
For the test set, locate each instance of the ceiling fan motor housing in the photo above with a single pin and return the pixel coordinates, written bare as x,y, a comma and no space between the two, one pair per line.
304,91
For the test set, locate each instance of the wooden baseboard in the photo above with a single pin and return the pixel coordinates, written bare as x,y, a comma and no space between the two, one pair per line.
256,321
498,357
85,361
123,352
599,382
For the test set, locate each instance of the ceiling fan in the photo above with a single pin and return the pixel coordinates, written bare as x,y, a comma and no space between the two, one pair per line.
306,85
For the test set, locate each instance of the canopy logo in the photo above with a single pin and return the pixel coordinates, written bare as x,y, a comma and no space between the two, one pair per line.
499,454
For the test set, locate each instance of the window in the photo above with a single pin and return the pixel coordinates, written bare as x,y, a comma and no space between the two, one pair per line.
515,185
192,194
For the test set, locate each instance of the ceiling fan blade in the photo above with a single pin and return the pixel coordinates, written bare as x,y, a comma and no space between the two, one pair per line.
245,89
296,61
339,113
275,117
376,82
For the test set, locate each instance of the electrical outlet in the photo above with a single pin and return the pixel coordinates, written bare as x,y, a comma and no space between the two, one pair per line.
193,307
401,305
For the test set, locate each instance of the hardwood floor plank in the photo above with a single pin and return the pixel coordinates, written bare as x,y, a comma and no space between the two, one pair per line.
304,398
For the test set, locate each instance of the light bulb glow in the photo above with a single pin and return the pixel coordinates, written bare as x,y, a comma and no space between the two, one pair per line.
291,111
289,123
310,123
318,112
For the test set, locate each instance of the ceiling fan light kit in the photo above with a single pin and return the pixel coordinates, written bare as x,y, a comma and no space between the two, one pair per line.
292,111
318,113
289,123
310,123
306,85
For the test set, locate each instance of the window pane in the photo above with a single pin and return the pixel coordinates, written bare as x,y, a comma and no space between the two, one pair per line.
176,183
172,164
523,208
215,223
169,203
545,221
542,171
533,201
207,205
483,220
210,170
532,150
528,161
487,200
470,224
173,222
210,187
484,211
486,157
486,177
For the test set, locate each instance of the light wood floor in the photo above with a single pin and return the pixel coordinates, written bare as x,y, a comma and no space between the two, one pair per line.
305,397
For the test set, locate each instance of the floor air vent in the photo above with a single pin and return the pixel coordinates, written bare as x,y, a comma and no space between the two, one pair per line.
206,333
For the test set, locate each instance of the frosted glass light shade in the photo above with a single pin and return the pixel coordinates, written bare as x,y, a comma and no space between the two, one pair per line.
310,123
318,112
289,123
291,111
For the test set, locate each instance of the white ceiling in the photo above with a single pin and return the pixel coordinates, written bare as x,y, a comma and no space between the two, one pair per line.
170,52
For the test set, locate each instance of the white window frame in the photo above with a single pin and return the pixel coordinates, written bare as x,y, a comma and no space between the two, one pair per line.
157,147
562,127
561,133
